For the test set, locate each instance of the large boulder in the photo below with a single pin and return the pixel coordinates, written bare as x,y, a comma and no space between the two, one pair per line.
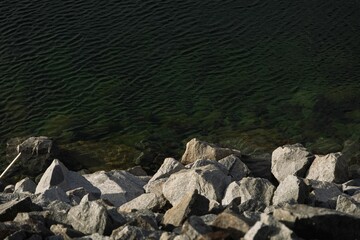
330,168
196,150
256,188
169,166
348,205
118,187
236,168
291,190
58,175
290,160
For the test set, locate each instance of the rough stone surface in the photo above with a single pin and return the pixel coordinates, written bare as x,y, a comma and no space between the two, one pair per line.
57,213
65,232
52,194
256,188
75,195
130,233
137,171
318,223
209,164
236,168
330,168
195,228
231,192
351,186
145,201
9,210
290,160
251,205
348,205
291,190
25,185
156,186
323,194
169,166
118,187
196,150
9,188
231,223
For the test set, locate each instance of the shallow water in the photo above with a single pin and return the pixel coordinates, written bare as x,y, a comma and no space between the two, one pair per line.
149,75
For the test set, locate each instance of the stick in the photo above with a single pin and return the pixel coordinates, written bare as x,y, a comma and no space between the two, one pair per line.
12,163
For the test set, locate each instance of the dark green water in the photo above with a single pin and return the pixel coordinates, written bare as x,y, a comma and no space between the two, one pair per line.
111,79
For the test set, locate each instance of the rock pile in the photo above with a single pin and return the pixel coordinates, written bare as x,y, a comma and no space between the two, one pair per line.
215,195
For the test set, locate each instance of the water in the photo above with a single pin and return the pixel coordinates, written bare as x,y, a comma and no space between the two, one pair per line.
114,81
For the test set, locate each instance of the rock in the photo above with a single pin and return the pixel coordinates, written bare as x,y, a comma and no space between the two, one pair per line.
196,150
90,217
9,189
52,194
94,236
195,228
65,232
155,187
210,182
145,201
269,228
9,210
348,205
290,160
137,171
58,175
251,205
190,204
318,223
323,194
144,219
25,185
169,166
259,165
356,196
236,168
130,233
57,213
118,187
351,186
256,188
291,190
330,168
75,195
231,192
232,224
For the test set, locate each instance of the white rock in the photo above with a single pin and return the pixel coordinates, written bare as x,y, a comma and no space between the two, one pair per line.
231,192
291,190
169,166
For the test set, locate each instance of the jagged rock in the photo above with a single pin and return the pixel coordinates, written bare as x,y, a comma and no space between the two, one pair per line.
144,219
130,233
9,189
155,187
231,223
208,219
90,217
118,187
137,171
323,194
356,196
318,223
25,185
291,190
167,236
9,209
75,195
348,205
210,163
58,175
251,205
351,186
196,150
94,236
210,182
290,160
57,213
231,192
269,228
190,204
169,166
195,228
256,188
259,165
65,232
52,194
145,201
236,168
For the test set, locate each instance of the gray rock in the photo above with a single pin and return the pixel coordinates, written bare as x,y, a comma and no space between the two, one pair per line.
130,233
231,192
155,187
291,190
323,194
90,217
75,195
318,223
356,196
190,204
259,165
236,168
9,189
251,205
50,195
144,219
290,160
196,150
25,185
118,187
65,232
351,186
9,210
209,163
137,171
169,166
94,236
57,213
231,223
330,168
195,228
348,205
256,188
210,182
58,175
145,201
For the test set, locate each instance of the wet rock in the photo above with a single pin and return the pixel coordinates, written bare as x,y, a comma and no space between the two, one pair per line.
196,150
190,204
118,187
231,223
9,189
256,188
58,175
145,201
65,232
323,194
236,168
137,171
351,186
348,205
25,185
155,187
210,182
90,217
231,192
195,228
291,190
9,210
330,168
169,166
318,223
290,160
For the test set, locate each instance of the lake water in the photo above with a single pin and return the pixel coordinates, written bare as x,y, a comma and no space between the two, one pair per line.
123,82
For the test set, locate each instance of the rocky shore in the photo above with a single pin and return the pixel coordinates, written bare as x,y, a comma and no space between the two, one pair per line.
210,193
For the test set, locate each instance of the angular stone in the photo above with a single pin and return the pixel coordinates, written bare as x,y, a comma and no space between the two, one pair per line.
145,201
137,171
291,190
210,164
190,204
196,150
318,223
75,195
130,233
251,205
58,175
256,188
118,187
236,168
231,192
50,195
57,213
94,236
65,232
9,210
144,219
323,194
90,217
195,228
231,223
330,168
25,185
348,205
351,186
210,182
155,187
169,166
9,189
